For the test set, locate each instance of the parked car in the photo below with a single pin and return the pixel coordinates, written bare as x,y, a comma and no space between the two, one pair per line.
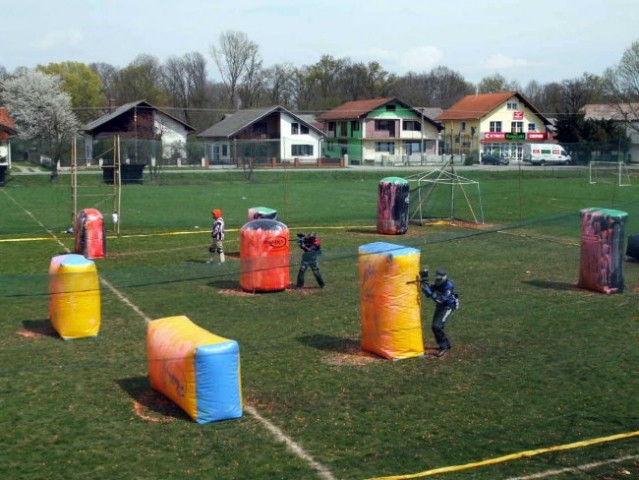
493,160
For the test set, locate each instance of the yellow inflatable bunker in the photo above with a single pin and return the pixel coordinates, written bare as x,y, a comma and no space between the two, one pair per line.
196,369
390,305
74,296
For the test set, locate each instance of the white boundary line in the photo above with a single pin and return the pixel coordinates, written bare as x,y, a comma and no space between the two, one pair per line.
277,433
577,469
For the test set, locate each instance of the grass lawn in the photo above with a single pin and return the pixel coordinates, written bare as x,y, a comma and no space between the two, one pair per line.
536,362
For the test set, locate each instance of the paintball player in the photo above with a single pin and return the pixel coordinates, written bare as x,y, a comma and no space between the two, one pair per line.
446,302
311,246
217,236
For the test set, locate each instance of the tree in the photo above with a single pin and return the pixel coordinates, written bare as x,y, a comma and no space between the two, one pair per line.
281,85
108,74
624,86
41,110
363,80
497,83
185,83
84,86
141,79
251,90
581,91
234,55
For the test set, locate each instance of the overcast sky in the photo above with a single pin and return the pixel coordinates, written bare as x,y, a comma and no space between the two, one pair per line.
543,40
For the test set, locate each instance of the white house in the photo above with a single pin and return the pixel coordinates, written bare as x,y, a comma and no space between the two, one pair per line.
263,135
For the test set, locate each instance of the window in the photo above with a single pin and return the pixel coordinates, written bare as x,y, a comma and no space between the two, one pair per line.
295,128
512,106
412,147
516,127
412,126
303,129
532,127
354,125
343,128
391,108
225,150
463,126
388,147
382,125
259,128
495,126
332,126
301,150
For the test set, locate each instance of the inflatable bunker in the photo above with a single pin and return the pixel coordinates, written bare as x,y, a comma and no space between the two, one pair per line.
264,256
196,369
390,300
392,206
74,296
255,213
601,256
89,233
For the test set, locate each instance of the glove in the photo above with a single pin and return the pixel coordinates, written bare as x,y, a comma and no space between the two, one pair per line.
427,291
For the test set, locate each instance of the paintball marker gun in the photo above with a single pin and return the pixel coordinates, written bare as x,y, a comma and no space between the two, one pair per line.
422,278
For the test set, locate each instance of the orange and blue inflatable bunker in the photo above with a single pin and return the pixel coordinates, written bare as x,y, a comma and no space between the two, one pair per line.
89,232
264,256
74,296
390,300
196,369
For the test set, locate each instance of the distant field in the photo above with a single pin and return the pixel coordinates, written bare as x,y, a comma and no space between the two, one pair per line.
536,363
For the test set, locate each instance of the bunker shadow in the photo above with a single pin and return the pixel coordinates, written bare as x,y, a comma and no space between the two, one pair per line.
41,328
550,285
329,343
363,231
140,391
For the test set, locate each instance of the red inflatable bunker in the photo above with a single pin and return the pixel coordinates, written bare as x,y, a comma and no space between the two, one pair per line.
264,256
90,237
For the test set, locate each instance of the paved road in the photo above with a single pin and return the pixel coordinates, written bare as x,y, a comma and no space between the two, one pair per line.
35,170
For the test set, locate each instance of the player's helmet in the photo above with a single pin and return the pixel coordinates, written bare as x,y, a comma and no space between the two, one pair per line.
440,277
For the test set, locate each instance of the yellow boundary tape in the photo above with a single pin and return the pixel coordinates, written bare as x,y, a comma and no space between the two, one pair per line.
168,234
513,456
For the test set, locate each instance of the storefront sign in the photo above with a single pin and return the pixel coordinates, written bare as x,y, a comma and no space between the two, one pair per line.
537,136
516,136
494,136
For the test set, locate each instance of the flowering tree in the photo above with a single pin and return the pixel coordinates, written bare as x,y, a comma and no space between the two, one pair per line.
41,111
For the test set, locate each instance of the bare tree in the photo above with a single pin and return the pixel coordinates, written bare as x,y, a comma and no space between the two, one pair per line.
42,111
185,82
281,85
108,73
251,90
625,86
233,57
581,91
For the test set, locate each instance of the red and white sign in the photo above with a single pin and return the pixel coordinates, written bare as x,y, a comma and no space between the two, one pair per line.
518,115
495,136
537,136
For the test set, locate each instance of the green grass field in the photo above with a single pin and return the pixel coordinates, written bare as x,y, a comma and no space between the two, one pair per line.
536,362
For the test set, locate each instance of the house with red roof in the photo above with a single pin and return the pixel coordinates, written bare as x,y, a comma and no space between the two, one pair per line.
7,130
496,123
379,131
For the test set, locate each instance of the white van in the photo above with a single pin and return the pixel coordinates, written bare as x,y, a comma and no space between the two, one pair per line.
543,153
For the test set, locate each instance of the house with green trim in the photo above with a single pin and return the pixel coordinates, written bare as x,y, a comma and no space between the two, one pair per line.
380,131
